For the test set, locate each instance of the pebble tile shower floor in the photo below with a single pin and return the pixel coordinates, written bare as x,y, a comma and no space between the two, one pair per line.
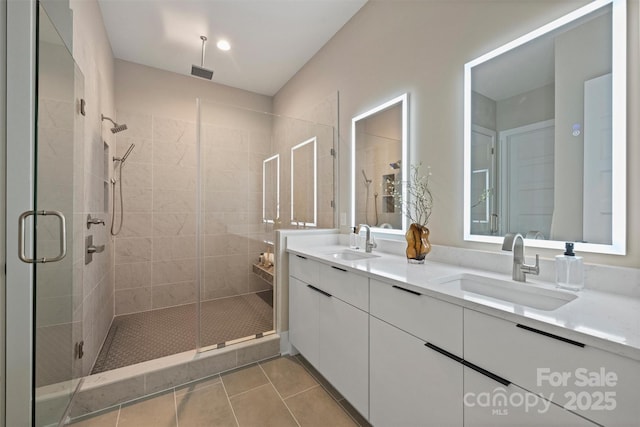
138,337
279,392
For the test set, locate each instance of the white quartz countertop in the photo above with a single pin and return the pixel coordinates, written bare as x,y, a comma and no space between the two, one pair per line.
607,321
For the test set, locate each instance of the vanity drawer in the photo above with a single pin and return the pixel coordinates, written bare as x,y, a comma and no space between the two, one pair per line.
556,367
431,320
342,284
304,269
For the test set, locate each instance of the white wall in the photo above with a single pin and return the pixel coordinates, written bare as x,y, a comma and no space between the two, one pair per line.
421,47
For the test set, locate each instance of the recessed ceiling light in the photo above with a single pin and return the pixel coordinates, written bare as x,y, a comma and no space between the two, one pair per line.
223,45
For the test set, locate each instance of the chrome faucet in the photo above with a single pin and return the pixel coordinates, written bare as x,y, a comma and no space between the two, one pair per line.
369,244
515,243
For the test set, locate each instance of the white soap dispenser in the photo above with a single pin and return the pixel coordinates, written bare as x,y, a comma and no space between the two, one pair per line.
569,270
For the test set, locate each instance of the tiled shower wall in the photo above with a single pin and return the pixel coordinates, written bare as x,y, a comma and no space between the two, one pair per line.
155,257
155,254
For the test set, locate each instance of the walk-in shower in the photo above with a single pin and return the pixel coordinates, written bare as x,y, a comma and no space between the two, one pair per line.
186,266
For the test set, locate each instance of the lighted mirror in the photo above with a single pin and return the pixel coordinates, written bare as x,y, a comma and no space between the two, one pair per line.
304,188
545,142
378,163
271,189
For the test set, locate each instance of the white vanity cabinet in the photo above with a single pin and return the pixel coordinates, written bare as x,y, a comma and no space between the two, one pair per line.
411,384
304,319
487,403
331,333
596,384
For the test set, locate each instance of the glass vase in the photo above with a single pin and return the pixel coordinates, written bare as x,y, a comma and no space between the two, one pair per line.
418,245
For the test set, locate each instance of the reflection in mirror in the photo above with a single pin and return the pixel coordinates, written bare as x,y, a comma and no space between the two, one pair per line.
545,134
304,186
271,189
378,159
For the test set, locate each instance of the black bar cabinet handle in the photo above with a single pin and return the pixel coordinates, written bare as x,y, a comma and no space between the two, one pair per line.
486,373
476,368
300,256
547,334
338,268
326,294
444,352
406,290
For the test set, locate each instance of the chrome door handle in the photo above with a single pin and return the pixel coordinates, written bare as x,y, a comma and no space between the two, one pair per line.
63,237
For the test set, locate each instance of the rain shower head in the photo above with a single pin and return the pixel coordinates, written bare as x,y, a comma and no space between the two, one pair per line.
116,127
200,71
396,165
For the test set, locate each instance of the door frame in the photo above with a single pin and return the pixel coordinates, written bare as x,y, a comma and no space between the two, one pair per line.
20,139
504,169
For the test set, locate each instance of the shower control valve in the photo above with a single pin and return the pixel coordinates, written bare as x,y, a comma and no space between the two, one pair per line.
94,221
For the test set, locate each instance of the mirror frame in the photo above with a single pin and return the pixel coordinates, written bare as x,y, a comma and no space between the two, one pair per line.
619,126
264,189
313,141
404,101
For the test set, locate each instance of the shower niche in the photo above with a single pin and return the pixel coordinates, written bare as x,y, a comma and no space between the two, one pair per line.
388,189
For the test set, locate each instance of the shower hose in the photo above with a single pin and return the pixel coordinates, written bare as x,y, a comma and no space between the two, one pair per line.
113,204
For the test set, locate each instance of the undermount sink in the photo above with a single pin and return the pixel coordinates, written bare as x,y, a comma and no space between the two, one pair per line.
347,255
511,291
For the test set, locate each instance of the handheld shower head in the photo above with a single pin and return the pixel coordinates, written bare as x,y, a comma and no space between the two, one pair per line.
116,127
367,181
123,158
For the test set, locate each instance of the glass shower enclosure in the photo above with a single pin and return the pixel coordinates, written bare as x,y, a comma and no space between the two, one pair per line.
258,173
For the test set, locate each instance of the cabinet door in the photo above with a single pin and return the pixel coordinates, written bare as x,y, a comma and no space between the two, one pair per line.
488,403
303,319
598,385
411,385
304,269
427,318
344,350
347,286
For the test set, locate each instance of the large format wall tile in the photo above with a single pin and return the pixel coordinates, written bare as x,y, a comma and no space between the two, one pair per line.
133,300
173,294
173,271
130,250
134,275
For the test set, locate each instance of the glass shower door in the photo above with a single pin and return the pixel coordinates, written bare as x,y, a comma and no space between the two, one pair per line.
247,177
57,228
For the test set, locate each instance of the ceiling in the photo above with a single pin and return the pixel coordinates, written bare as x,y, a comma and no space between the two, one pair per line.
270,39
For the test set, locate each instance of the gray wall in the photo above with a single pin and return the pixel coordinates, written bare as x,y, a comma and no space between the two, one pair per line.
421,47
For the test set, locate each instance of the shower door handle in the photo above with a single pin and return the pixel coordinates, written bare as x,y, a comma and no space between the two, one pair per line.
21,238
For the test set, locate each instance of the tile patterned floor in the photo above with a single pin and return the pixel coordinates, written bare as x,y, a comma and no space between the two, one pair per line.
280,392
138,337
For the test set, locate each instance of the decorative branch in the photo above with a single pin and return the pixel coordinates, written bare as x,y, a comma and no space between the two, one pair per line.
419,203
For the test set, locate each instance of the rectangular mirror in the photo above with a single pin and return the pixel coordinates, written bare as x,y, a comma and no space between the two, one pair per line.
271,189
378,159
545,134
304,188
